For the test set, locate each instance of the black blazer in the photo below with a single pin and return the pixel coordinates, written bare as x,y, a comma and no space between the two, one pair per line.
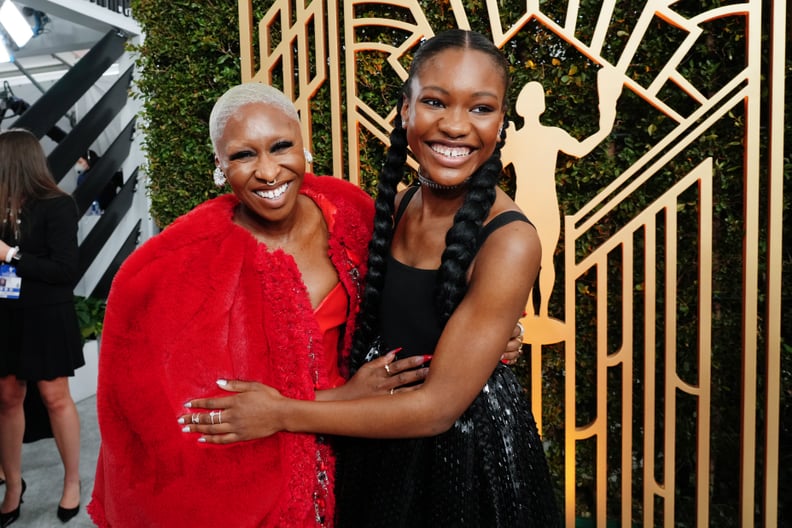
50,260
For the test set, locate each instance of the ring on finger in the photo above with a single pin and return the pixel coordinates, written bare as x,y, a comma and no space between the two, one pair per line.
220,416
522,330
387,369
391,391
212,417
195,418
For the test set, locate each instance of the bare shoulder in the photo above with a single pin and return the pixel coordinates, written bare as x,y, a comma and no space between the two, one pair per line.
512,249
519,232
517,240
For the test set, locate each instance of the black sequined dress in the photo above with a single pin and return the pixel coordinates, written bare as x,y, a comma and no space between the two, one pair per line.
489,470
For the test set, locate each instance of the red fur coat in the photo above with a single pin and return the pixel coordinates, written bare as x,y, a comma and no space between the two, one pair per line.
200,302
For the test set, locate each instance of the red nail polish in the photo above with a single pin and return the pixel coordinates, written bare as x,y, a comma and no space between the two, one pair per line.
505,361
427,357
395,350
524,314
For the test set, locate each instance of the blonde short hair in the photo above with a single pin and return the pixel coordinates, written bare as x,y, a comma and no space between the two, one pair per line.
243,94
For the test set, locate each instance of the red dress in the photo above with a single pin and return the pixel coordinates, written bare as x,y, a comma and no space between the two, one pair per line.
331,315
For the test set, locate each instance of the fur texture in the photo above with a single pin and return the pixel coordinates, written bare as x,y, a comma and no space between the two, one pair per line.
200,302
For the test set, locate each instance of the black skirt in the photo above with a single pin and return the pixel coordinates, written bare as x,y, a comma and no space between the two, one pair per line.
40,342
489,470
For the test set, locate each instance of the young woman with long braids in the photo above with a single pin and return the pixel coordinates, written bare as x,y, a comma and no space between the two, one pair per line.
451,264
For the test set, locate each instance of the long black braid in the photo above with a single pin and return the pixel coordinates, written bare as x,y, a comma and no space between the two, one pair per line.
461,237
379,246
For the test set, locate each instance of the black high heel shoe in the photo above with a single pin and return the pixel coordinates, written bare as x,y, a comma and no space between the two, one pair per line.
66,514
7,518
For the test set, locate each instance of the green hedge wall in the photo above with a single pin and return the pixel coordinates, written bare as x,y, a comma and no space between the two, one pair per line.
191,55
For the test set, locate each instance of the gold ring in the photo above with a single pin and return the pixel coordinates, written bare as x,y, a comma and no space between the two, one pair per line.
391,391
387,369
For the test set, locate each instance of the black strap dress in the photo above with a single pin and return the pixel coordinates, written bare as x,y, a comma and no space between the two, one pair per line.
489,470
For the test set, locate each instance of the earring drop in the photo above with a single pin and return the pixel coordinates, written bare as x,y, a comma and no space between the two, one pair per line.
308,156
218,177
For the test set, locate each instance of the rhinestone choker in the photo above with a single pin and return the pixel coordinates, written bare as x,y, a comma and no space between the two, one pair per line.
429,184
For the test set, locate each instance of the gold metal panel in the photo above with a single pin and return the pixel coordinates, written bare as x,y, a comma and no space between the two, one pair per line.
330,28
301,28
778,40
645,225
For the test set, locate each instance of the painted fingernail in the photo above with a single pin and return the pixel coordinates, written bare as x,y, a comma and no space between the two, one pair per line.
222,382
186,429
524,314
505,361
181,421
188,405
202,440
395,351
427,357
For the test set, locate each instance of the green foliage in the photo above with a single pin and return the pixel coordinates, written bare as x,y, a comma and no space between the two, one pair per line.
189,57
90,315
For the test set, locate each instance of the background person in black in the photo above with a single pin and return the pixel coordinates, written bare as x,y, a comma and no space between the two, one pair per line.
83,167
40,332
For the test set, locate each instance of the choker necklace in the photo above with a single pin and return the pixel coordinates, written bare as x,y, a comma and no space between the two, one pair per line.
429,184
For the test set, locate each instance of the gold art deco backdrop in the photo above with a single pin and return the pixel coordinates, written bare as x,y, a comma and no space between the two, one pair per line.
647,144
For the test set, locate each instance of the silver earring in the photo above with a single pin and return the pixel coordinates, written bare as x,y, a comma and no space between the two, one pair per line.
218,177
308,156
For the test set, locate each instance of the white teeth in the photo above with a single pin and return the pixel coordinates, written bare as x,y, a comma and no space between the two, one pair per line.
274,193
452,152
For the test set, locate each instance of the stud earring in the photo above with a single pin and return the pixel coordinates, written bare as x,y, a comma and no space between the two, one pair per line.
218,177
308,156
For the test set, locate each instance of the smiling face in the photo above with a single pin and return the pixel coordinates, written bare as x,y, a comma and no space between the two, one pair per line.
453,113
259,144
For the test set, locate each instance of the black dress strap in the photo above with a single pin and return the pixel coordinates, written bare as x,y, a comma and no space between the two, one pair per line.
501,220
408,194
